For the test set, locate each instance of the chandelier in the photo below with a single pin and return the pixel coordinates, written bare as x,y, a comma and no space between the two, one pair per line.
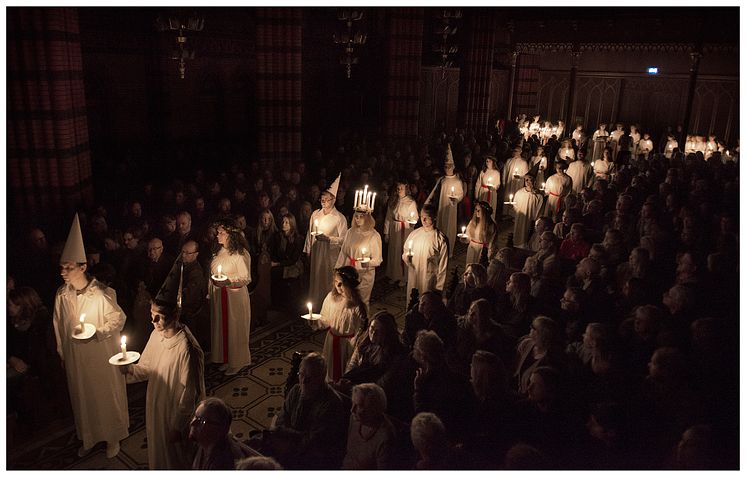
349,39
445,45
181,24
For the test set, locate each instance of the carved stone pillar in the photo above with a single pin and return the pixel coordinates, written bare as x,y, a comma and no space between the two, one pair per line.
570,118
694,56
511,89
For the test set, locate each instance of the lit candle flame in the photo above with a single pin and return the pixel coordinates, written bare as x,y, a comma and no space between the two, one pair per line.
310,307
463,229
82,318
511,197
220,270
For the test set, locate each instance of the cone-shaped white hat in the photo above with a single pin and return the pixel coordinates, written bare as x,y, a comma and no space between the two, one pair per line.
335,186
74,250
449,155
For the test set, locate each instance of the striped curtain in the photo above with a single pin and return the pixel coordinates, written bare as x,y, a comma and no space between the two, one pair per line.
476,74
527,85
278,82
49,158
402,99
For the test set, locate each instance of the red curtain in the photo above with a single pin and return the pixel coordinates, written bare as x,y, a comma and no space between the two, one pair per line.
278,79
49,160
402,99
476,74
527,85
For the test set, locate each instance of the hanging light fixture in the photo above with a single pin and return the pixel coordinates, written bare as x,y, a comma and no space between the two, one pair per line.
349,39
445,45
183,24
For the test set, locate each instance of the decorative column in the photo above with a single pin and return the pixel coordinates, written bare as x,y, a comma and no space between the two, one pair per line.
402,99
476,74
527,84
570,119
278,84
511,89
694,56
48,151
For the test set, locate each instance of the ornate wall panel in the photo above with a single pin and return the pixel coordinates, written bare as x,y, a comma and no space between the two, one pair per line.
438,99
596,100
715,109
552,95
654,102
475,81
499,90
527,85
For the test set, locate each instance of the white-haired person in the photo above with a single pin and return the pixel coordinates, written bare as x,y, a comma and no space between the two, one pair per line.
371,436
431,443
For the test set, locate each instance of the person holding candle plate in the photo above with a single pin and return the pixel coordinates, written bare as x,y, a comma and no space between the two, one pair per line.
427,255
230,309
362,247
451,192
558,187
481,233
97,390
528,204
489,183
513,173
401,217
326,231
173,364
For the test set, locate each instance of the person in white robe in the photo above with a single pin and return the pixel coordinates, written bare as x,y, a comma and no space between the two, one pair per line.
539,161
362,249
344,316
564,152
614,138
579,137
326,231
481,233
451,192
528,205
600,136
401,217
173,364
604,168
580,172
488,184
671,144
558,187
645,146
559,130
535,127
634,144
700,145
230,307
513,173
711,147
426,254
98,393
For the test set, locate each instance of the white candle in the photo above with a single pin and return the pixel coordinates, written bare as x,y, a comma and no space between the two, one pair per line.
593,163
363,251
411,216
543,184
365,194
463,229
316,226
220,270
373,201
453,190
124,347
81,327
511,198
410,247
515,171
489,182
357,195
310,307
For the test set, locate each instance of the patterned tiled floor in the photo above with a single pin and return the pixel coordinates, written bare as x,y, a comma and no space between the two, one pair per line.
255,394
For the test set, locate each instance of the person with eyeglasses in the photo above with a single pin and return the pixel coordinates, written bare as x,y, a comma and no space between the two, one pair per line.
173,364
217,447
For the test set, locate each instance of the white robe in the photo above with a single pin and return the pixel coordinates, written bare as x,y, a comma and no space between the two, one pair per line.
477,241
397,228
645,146
447,209
540,173
429,265
175,387
581,174
343,325
230,332
603,169
352,249
670,146
634,143
513,173
97,389
323,255
487,193
599,144
527,207
579,137
557,189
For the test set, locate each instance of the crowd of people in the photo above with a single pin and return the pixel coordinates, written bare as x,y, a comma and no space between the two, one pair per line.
601,335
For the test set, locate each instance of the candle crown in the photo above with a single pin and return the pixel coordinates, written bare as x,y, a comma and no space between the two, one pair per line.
365,200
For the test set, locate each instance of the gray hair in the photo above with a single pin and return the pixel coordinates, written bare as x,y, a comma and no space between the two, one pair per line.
374,395
428,431
314,361
258,463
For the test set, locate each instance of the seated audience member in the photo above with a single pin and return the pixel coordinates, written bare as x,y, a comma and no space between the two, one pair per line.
575,247
543,346
520,308
472,287
210,428
375,351
525,457
371,437
431,443
478,331
696,449
258,463
608,446
310,431
432,315
573,316
436,387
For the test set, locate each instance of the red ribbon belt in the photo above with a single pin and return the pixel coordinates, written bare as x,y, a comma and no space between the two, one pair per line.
403,238
559,201
489,193
483,244
224,318
353,262
337,354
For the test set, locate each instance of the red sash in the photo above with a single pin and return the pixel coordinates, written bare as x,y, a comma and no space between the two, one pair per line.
353,262
489,193
403,238
337,354
483,244
224,318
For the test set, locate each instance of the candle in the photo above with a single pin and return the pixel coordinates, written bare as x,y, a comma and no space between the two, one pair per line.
411,216
373,201
357,200
220,270
364,251
410,248
463,229
593,163
453,190
511,198
515,171
316,226
310,307
365,194
81,327
124,347
489,182
543,184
